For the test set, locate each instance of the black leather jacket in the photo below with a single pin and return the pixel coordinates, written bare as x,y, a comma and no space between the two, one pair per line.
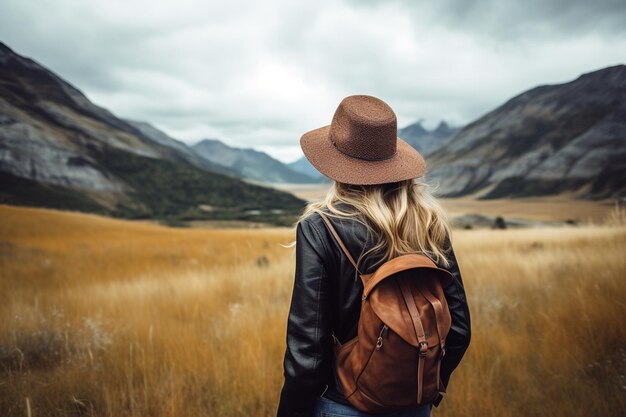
326,299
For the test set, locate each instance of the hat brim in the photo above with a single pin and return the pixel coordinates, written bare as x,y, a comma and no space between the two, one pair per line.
407,163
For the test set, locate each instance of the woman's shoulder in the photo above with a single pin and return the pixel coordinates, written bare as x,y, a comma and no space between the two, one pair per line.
350,230
312,224
315,220
315,217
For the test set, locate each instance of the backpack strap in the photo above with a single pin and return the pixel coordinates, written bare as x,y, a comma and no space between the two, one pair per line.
407,294
438,308
338,239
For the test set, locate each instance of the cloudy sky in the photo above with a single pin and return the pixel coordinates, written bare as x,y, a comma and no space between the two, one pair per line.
260,73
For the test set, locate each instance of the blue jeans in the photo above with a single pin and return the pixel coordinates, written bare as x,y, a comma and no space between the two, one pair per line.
328,408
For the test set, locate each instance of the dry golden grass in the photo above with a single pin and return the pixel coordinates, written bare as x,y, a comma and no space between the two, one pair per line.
111,318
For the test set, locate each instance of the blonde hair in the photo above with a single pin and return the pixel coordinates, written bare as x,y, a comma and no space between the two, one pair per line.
404,216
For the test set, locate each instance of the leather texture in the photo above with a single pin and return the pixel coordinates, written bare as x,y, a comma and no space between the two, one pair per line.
326,301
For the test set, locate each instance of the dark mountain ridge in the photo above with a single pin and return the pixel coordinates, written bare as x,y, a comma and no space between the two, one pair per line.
551,139
72,154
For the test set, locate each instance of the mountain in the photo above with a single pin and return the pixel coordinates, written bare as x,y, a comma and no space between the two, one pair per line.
248,163
180,147
303,166
551,139
427,141
59,150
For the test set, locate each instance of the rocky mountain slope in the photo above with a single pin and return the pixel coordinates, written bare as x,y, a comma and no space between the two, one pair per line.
248,163
551,139
180,147
58,149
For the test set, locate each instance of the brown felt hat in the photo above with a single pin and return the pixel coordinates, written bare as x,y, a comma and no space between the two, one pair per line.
361,145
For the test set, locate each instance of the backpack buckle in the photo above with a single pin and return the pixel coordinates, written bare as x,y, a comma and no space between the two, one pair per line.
423,348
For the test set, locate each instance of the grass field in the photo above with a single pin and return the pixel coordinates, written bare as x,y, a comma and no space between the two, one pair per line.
102,317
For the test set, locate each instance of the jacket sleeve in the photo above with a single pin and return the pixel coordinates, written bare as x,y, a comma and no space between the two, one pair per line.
308,357
458,339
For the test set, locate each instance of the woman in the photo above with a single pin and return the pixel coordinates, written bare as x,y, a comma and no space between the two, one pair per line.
380,209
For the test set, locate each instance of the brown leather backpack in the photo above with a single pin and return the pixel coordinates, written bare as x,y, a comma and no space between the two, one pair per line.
394,361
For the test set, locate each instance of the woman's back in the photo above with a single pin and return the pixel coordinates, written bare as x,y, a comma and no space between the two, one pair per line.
376,222
326,300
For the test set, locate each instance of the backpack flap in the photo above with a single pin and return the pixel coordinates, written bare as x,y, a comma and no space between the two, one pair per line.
386,299
403,263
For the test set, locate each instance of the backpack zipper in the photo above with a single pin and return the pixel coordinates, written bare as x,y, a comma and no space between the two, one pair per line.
383,332
379,344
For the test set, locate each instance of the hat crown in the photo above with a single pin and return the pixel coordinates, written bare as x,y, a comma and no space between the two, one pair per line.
365,127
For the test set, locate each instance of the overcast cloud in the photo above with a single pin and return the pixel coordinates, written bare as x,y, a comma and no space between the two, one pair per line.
260,73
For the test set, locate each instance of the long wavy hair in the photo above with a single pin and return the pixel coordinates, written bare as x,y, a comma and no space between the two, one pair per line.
404,217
